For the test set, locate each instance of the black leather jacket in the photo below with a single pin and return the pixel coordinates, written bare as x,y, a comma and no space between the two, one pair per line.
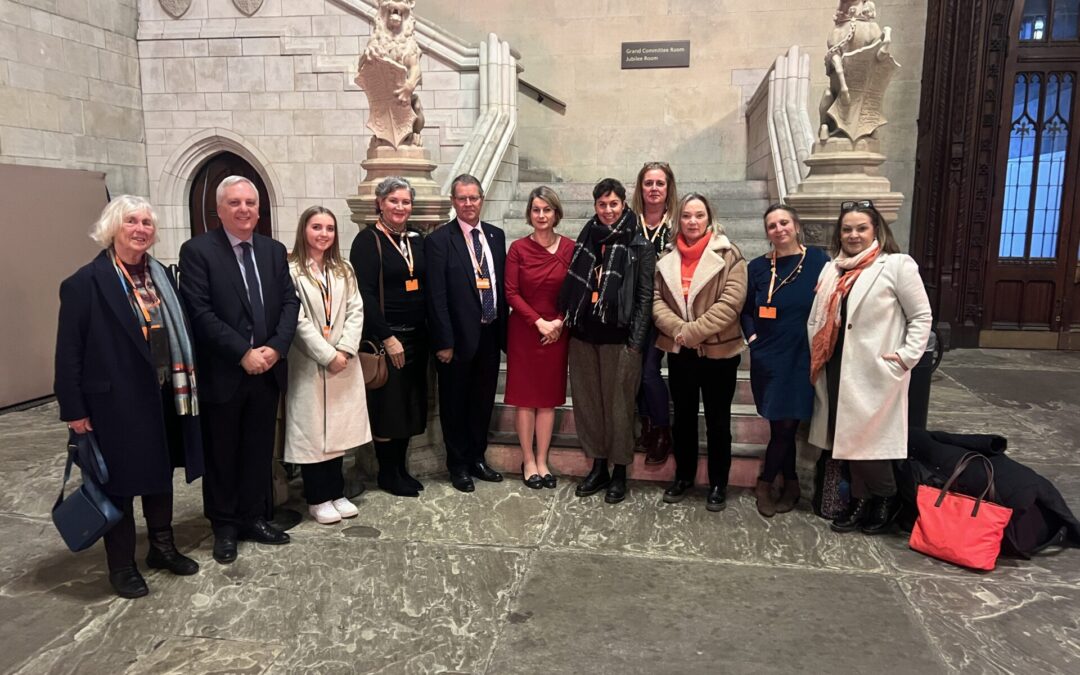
635,305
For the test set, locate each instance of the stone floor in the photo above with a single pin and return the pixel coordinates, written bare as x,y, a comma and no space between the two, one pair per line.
509,580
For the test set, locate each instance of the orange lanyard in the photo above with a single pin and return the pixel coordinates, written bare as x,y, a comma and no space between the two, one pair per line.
407,253
133,292
478,266
773,288
327,299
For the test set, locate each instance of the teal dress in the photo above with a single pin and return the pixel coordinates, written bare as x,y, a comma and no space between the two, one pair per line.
780,355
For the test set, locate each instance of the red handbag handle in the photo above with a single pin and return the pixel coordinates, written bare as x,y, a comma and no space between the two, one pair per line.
987,493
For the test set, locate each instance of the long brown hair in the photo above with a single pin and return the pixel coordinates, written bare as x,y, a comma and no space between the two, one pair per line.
332,259
884,235
672,194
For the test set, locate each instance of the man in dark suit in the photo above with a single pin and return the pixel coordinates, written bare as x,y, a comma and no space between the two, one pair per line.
467,315
243,307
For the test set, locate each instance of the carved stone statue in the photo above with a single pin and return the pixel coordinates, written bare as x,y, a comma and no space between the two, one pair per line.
860,67
389,73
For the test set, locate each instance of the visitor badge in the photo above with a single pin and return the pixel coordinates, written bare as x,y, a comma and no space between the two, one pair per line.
766,312
326,332
483,283
412,285
595,297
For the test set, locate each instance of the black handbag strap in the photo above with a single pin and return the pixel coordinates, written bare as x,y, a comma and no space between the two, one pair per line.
382,290
72,449
987,493
90,458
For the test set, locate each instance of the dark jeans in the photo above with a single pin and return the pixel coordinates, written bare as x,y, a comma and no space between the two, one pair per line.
120,540
715,379
323,481
780,454
872,478
466,400
653,400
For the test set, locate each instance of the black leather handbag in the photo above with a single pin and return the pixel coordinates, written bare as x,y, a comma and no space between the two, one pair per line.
86,514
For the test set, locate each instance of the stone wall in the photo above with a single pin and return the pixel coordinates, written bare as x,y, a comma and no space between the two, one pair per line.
69,88
276,88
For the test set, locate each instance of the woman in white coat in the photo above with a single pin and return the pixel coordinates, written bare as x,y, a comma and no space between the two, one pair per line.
326,405
868,327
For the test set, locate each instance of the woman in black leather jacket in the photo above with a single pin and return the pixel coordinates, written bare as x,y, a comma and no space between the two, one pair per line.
607,301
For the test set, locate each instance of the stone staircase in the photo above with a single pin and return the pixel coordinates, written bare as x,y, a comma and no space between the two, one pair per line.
736,205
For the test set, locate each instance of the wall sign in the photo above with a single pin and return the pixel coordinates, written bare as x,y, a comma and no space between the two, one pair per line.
667,54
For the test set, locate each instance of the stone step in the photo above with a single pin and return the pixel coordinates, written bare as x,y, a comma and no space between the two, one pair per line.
718,190
723,208
743,393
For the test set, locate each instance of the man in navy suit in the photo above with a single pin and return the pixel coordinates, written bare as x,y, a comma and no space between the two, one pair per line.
243,308
467,315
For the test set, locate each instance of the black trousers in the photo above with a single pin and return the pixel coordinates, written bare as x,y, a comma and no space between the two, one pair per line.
466,400
872,478
120,540
714,379
238,447
323,481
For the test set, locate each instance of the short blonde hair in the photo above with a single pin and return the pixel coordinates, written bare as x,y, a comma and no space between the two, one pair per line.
112,217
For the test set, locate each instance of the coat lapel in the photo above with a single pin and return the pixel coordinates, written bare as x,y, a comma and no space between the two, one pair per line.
864,283
106,279
457,242
711,264
232,268
671,275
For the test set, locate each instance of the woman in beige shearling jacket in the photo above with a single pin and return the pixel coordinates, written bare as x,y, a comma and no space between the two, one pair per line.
698,295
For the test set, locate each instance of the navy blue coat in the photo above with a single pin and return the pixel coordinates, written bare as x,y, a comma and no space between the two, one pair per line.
453,302
104,371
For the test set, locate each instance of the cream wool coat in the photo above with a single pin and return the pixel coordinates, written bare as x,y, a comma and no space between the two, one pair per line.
887,312
325,414
709,317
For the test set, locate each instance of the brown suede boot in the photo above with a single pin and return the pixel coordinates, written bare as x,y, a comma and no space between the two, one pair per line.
790,496
765,504
642,442
657,454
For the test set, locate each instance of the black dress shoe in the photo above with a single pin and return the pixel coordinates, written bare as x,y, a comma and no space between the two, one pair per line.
164,556
462,482
677,492
534,481
616,489
225,548
881,516
550,481
262,532
484,472
717,499
853,518
128,583
596,481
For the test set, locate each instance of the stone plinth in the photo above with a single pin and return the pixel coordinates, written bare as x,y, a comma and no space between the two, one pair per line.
430,207
842,171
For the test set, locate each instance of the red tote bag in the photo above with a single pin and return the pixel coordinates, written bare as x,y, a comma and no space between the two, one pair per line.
963,530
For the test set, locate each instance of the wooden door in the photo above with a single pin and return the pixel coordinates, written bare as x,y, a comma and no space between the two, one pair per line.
203,198
1031,292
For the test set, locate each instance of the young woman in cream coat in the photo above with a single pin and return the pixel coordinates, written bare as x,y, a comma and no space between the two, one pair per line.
872,317
326,406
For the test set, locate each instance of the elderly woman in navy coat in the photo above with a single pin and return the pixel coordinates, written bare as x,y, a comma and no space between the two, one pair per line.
125,370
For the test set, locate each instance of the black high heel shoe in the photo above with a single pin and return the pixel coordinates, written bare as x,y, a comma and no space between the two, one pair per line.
534,481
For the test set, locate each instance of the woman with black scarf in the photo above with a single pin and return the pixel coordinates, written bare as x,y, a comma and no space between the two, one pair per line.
607,301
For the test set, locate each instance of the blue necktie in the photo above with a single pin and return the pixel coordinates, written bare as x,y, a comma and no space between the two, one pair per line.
258,314
487,295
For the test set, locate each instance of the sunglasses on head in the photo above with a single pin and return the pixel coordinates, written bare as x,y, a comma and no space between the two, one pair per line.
862,204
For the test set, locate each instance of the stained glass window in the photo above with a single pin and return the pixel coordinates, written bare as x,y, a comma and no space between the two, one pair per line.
1033,21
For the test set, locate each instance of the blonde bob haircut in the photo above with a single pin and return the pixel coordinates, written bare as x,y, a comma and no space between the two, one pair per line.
548,196
112,218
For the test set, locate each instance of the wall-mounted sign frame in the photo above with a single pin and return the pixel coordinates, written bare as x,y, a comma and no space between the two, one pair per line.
665,54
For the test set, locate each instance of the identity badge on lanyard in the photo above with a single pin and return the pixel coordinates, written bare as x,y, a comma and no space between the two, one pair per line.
129,286
767,311
404,249
483,282
327,300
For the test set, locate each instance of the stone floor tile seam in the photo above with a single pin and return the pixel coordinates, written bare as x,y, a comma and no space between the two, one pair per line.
513,592
907,603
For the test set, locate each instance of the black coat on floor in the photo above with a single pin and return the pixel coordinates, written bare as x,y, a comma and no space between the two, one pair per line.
104,371
1039,510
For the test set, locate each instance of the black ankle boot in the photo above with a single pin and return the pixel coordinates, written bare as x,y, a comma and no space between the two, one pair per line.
596,481
882,514
402,457
616,491
389,478
852,518
127,582
164,556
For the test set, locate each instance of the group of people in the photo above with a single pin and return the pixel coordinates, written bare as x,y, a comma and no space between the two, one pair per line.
190,372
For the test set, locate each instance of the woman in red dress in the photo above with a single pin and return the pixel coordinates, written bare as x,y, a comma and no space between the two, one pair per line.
536,347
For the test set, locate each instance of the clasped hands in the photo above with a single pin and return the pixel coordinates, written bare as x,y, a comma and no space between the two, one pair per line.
550,331
258,360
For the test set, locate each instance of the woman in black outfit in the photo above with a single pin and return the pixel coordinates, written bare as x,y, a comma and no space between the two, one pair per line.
394,316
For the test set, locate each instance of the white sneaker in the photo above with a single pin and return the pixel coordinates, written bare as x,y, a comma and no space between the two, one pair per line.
345,508
325,513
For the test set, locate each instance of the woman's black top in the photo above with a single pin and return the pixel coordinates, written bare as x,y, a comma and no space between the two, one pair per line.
403,307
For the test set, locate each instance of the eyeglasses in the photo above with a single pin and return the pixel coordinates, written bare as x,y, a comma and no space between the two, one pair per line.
863,204
469,199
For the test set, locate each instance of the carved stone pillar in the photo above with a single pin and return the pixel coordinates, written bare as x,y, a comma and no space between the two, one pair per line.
430,207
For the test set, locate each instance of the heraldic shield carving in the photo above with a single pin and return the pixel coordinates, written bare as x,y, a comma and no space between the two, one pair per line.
868,72
175,8
389,118
248,7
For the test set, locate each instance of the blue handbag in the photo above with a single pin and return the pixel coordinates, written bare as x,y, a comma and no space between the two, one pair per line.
86,514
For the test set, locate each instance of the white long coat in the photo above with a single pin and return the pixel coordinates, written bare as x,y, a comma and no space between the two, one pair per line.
325,414
887,312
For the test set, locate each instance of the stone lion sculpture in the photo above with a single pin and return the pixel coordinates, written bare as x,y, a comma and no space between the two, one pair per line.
389,71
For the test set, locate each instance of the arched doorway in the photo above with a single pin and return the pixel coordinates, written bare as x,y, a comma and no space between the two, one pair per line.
203,200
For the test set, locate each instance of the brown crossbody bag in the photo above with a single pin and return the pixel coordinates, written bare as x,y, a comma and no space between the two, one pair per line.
373,362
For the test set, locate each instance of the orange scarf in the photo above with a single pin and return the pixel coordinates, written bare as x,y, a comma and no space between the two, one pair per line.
689,257
831,290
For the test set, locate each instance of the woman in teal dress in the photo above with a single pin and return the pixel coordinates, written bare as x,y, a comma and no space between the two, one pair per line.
779,294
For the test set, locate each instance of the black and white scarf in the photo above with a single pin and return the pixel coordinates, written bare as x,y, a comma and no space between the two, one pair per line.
597,242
